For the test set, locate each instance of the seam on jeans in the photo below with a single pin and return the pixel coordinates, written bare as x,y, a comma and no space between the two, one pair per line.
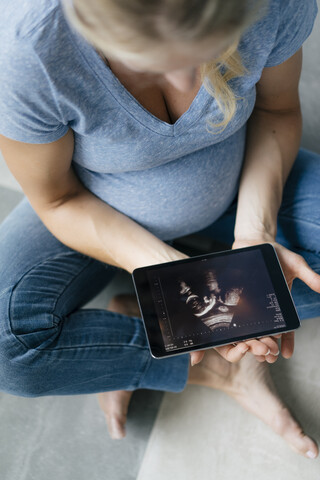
5,290
14,337
100,311
299,219
290,217
78,347
308,305
89,259
139,377
18,362
302,220
55,390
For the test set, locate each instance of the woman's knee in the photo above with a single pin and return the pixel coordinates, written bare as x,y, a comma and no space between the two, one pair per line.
18,376
17,368
24,327
23,370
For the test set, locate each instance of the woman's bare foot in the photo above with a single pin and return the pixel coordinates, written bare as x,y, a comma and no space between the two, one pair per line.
249,383
115,404
115,407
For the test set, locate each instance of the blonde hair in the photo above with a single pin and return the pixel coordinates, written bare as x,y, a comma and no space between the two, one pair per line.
129,28
216,84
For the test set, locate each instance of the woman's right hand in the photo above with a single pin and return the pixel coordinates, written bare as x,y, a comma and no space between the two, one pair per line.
264,349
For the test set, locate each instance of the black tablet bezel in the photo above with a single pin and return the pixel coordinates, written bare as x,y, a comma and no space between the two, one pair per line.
150,318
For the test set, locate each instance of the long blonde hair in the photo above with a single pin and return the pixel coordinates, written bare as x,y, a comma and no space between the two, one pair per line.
127,28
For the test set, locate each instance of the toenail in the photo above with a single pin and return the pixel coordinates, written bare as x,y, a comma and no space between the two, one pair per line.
311,454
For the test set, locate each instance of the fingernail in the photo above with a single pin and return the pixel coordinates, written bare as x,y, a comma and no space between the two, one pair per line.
244,350
268,352
311,454
276,354
191,361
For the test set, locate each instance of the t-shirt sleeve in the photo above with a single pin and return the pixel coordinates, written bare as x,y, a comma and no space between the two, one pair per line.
296,20
29,111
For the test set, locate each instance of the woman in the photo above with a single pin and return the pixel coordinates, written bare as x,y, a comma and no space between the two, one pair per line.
129,124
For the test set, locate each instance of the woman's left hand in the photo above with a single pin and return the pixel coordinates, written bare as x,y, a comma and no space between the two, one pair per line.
293,266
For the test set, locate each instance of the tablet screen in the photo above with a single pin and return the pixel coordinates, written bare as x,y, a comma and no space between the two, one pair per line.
215,299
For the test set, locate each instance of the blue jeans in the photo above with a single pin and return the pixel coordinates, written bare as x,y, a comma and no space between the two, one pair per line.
49,345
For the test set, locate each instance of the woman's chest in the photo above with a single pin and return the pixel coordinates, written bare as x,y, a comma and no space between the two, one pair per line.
155,94
127,138
124,123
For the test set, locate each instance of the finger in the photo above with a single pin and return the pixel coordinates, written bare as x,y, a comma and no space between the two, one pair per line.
261,358
271,358
273,350
272,344
266,358
196,357
306,274
233,353
287,344
257,348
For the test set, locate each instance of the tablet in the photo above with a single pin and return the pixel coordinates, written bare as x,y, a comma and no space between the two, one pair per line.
214,299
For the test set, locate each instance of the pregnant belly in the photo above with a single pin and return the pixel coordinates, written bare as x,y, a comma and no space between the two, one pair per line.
175,199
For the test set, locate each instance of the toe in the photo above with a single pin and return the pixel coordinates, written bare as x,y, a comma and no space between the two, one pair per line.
305,446
291,431
116,427
255,391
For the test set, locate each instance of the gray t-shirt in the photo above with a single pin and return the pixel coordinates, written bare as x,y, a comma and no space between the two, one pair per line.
172,179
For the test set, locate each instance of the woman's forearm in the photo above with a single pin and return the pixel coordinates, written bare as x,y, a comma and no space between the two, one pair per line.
87,224
273,141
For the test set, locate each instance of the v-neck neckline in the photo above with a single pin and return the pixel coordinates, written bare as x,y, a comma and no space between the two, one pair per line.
130,104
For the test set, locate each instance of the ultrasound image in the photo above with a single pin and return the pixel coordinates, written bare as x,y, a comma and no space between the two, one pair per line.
216,299
214,306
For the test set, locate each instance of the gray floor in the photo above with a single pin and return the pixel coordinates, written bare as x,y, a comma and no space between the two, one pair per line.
66,437
204,434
